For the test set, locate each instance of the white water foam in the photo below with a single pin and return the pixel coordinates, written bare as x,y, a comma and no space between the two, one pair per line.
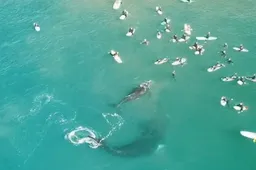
88,133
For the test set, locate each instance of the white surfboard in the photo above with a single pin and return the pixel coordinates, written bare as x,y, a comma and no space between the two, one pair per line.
238,49
122,17
186,1
250,79
227,79
117,4
206,39
239,82
223,101
161,61
175,63
212,69
158,35
187,29
197,52
167,30
159,11
247,134
117,58
237,108
37,28
129,34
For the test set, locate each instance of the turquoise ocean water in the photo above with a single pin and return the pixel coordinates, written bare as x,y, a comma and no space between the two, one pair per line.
60,78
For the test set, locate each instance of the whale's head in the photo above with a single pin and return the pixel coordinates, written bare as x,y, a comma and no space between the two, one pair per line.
146,84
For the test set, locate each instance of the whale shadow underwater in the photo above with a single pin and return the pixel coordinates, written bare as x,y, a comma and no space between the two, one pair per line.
151,135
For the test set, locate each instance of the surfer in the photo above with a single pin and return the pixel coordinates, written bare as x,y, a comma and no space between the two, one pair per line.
208,35
223,53
167,28
225,46
125,13
229,61
200,50
242,80
173,74
241,105
184,37
241,47
175,37
159,10
145,42
166,21
195,45
253,77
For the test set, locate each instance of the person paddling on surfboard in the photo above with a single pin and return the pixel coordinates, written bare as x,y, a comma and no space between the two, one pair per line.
241,105
175,37
145,42
184,37
125,13
241,47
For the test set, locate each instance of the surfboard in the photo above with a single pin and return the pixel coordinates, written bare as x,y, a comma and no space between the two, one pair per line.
212,69
122,17
167,30
247,134
239,82
186,1
237,108
238,49
117,4
117,59
226,79
223,102
187,29
161,61
250,79
37,28
175,63
159,11
129,34
206,39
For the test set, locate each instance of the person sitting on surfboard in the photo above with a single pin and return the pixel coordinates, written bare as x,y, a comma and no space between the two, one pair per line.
184,36
131,30
225,46
241,105
208,35
200,50
229,61
159,9
241,47
195,45
125,13
167,28
175,37
145,42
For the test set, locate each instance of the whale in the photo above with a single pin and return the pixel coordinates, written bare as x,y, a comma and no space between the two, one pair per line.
136,93
146,143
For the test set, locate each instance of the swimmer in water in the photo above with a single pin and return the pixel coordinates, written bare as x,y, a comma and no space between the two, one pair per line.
225,46
229,61
174,74
145,42
223,53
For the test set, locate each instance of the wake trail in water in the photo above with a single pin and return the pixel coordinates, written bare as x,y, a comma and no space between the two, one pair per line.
83,135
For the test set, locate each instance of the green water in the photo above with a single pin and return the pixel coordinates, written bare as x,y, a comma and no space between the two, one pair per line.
60,78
